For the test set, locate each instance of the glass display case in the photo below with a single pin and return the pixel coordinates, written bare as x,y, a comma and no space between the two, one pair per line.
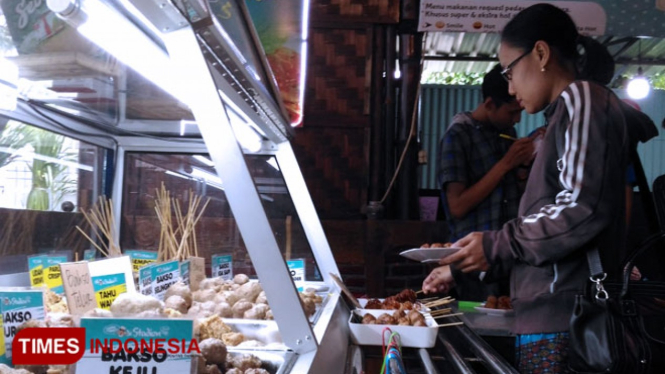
161,93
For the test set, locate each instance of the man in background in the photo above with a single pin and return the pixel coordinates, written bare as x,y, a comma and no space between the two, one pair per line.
481,173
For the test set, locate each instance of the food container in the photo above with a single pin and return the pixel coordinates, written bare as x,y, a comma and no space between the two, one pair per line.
265,332
275,362
410,336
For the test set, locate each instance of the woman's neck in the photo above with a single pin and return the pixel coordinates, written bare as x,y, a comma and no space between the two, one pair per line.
560,80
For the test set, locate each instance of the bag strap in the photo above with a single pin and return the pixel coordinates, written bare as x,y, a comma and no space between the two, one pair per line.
597,273
645,193
596,267
644,246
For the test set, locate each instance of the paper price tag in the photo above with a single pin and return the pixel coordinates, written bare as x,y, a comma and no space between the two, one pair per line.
78,287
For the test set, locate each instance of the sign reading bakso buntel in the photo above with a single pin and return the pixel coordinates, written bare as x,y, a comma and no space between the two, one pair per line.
610,17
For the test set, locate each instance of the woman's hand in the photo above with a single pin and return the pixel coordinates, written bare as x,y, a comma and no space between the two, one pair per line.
440,280
471,257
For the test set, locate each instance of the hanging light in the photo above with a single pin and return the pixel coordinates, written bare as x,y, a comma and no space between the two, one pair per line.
638,87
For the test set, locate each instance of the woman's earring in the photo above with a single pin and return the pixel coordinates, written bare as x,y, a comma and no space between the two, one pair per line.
543,69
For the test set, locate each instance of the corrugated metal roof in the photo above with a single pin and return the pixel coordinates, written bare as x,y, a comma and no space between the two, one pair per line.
477,53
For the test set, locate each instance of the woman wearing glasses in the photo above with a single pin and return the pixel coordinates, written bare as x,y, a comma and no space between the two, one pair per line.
574,198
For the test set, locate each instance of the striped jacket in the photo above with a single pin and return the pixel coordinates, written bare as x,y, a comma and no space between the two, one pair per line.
574,200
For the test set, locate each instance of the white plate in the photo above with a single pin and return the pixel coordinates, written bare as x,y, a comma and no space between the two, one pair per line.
495,312
428,254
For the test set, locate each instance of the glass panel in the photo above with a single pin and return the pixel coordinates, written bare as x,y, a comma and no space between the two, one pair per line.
185,176
45,181
281,212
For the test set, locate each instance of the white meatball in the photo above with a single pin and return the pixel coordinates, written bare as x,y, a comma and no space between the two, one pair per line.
177,302
224,310
240,307
240,279
181,290
213,350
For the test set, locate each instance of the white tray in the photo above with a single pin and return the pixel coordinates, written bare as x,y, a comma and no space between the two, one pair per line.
410,336
428,254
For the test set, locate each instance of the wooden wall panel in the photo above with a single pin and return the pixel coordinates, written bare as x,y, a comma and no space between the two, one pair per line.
337,75
333,162
366,11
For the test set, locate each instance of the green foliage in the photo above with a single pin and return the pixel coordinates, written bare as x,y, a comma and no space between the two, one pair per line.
50,179
448,78
13,138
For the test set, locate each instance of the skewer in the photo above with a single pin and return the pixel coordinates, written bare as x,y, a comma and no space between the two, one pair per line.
439,303
429,299
417,292
440,311
451,324
448,315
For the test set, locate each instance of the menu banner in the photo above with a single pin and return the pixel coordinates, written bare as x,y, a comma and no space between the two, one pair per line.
141,258
107,288
17,307
222,266
493,15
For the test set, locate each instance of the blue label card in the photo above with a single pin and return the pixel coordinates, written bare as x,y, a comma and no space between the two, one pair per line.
163,276
297,269
222,266
18,306
141,258
176,336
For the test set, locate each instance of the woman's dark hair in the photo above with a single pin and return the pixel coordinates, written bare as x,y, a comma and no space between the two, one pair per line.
552,25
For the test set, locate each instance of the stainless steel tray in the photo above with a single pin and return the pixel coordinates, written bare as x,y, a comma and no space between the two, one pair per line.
275,362
266,332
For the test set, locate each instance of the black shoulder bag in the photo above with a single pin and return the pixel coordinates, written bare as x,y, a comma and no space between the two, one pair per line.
619,327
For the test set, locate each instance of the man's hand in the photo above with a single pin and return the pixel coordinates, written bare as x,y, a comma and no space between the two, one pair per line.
471,257
520,153
440,280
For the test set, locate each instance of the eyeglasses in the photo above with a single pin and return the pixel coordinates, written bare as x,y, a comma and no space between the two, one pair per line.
507,73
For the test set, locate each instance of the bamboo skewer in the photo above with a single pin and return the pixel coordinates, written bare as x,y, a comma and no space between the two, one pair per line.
451,324
440,311
102,226
178,231
447,315
439,303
